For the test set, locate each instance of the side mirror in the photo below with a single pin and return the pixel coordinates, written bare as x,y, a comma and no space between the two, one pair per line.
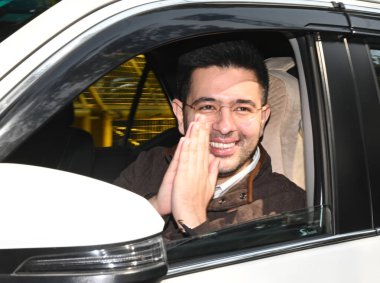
62,227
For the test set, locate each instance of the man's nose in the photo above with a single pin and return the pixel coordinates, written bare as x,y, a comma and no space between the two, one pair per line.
224,121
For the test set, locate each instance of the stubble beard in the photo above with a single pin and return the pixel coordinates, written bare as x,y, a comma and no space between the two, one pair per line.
243,159
230,165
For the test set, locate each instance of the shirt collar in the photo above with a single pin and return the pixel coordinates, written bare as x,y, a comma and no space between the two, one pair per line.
221,189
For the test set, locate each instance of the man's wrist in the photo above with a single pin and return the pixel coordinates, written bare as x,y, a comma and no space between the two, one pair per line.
153,201
187,231
190,220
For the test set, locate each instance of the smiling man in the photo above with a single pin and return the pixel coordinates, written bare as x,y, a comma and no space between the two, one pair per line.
219,175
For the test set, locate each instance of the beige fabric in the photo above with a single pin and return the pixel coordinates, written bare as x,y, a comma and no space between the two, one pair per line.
283,138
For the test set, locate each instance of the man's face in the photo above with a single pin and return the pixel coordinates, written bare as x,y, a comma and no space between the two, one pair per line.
233,136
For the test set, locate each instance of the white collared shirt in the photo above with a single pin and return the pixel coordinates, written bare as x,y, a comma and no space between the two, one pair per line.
224,187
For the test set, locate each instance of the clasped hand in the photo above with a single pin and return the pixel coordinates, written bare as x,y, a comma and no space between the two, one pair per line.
190,180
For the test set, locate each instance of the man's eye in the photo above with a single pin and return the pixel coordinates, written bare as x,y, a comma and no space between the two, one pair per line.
206,108
243,109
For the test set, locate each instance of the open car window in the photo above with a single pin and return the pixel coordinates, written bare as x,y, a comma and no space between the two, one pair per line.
128,111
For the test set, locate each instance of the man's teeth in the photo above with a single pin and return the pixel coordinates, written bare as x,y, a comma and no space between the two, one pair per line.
222,145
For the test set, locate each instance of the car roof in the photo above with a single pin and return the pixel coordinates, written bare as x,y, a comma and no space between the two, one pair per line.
31,37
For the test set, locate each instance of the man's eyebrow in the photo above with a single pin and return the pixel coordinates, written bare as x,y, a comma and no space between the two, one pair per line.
203,99
245,101
211,99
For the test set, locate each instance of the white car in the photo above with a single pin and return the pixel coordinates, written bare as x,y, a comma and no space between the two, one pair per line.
86,86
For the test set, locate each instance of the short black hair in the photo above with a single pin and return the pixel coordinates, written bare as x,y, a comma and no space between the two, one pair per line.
237,53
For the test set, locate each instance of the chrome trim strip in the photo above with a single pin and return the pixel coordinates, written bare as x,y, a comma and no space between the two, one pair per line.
327,147
363,6
273,250
357,5
300,3
352,5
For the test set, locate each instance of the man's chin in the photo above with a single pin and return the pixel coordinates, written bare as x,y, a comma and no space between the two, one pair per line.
228,169
225,171
225,174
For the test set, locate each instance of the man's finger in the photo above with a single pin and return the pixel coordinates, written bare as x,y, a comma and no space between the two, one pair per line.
213,170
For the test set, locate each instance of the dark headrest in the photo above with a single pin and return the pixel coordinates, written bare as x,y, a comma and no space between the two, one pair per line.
62,119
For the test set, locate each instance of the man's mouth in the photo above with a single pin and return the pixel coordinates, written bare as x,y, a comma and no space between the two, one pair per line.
220,145
223,149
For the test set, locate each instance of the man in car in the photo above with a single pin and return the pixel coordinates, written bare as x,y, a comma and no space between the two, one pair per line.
218,174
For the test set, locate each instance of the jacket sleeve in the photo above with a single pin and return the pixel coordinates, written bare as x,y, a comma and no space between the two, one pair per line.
144,176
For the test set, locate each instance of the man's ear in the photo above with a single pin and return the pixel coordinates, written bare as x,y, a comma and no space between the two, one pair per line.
177,106
264,118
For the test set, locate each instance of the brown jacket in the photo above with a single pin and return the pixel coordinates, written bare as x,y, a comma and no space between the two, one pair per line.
271,193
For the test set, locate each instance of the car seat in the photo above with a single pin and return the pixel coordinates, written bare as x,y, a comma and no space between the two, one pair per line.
283,136
58,145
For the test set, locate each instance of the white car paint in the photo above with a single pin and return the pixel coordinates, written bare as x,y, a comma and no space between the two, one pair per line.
349,262
43,207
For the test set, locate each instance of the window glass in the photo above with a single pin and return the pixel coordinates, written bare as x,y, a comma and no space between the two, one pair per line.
375,55
270,230
16,13
104,108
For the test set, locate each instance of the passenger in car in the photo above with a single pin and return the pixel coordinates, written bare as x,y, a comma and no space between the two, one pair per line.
218,174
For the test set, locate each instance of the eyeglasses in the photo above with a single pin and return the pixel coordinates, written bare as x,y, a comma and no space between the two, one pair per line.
241,111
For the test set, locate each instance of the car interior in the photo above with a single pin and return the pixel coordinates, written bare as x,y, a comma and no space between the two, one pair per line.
128,111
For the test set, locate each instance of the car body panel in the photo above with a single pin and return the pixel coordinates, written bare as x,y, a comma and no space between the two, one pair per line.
351,262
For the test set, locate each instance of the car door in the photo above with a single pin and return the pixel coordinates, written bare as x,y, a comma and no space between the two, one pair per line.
338,220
